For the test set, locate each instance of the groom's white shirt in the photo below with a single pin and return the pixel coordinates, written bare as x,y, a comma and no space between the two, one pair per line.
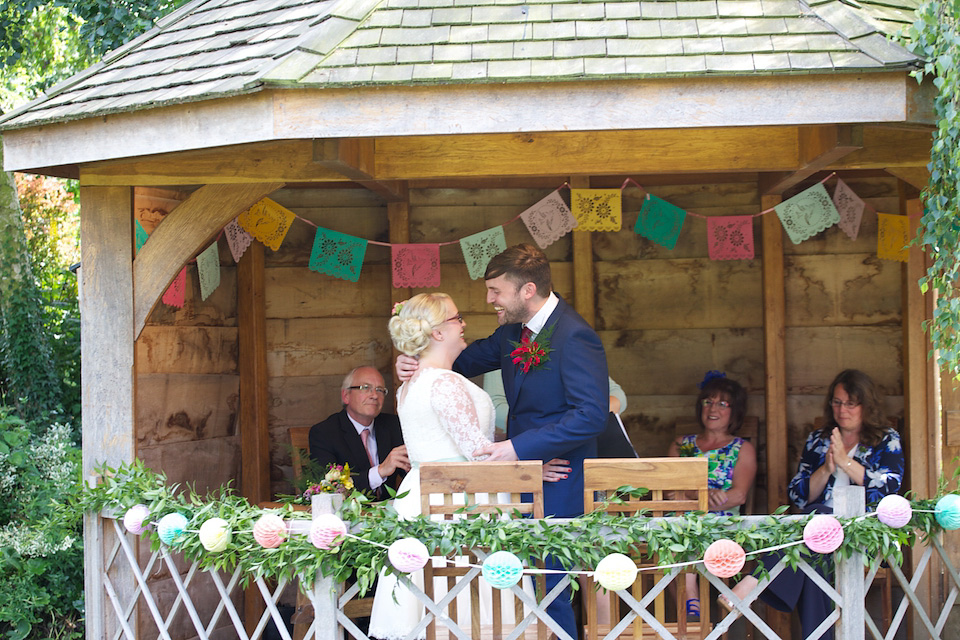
540,317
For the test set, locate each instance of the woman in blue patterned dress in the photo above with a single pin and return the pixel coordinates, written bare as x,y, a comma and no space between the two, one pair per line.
853,447
720,409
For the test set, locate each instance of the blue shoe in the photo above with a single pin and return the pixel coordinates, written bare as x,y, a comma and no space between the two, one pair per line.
693,608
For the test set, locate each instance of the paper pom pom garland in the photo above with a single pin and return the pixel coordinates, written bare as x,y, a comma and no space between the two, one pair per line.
325,529
408,554
947,511
171,527
270,531
823,534
894,511
502,569
215,535
134,517
724,558
616,572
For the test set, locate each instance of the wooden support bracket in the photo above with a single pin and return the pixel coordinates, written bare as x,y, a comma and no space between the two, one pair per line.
354,158
818,148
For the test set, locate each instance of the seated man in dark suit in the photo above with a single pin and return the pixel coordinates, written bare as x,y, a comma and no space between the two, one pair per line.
345,436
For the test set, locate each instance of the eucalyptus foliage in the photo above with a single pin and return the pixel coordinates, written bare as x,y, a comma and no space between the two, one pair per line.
579,543
934,36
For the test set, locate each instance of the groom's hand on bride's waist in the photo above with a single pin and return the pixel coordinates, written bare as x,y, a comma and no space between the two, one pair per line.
498,451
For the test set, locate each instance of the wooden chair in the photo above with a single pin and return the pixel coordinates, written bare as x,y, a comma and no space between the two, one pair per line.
669,481
749,431
355,608
459,483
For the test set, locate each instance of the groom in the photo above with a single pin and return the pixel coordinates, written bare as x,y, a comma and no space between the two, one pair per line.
557,407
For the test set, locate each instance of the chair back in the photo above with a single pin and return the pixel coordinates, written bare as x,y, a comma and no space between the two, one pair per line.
668,479
299,449
486,488
466,483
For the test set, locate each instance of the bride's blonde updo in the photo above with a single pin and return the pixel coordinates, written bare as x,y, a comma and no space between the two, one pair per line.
410,329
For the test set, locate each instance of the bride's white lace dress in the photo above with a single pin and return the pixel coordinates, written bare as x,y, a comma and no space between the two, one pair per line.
444,417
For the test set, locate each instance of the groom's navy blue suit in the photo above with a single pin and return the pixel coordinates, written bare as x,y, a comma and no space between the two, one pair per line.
556,410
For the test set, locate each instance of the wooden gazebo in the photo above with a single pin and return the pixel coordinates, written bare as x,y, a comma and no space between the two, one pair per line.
400,121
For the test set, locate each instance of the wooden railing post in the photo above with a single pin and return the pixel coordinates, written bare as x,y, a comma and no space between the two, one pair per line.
850,502
326,591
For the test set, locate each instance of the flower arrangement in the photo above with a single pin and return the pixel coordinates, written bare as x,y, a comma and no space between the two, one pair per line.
336,480
533,354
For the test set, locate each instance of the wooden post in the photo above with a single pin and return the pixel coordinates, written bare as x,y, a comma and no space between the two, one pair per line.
584,295
107,361
398,219
921,429
254,396
849,502
775,373
775,366
325,590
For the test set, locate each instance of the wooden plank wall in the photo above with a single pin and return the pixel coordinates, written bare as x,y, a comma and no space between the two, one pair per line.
665,316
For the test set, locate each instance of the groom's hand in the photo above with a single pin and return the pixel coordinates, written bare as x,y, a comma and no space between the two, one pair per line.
498,451
406,367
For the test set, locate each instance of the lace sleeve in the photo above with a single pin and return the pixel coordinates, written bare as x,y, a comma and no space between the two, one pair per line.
451,401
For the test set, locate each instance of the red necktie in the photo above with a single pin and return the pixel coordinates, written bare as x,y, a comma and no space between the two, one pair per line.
525,335
365,436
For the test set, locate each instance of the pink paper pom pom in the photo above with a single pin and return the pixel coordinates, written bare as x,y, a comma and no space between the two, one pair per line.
894,511
724,558
270,531
408,554
134,517
325,529
823,534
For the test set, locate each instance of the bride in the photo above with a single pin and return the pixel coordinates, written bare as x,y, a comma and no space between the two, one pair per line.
444,418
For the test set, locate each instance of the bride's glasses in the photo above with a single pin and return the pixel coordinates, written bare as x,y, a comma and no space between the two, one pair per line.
458,318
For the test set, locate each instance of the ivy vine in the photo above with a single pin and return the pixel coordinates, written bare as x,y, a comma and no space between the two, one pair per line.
934,37
580,543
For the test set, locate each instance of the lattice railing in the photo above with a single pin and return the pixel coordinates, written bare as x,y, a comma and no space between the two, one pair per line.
209,603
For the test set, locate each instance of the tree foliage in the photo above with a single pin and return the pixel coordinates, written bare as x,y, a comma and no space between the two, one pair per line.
934,36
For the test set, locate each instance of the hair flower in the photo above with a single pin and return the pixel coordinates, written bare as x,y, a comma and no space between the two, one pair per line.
710,375
397,308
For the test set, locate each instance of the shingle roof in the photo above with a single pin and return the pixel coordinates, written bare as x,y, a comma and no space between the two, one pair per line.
217,48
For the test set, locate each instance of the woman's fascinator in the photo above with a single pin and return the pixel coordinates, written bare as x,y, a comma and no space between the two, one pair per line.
710,375
397,308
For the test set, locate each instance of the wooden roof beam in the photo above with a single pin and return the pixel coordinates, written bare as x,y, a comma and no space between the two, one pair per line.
192,225
818,148
355,159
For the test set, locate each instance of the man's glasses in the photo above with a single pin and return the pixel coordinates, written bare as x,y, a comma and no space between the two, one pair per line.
721,404
458,318
367,387
849,404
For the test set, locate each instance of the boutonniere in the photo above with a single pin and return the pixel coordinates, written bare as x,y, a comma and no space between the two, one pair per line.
535,353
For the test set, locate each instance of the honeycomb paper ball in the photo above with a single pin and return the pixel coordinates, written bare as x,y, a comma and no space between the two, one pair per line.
616,572
270,531
215,535
724,558
325,529
947,511
171,527
502,569
134,517
408,554
894,511
823,534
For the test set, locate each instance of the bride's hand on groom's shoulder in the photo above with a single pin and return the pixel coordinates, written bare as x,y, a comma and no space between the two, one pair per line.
406,367
556,470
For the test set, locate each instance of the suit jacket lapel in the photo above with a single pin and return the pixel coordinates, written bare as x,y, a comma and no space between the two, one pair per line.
519,376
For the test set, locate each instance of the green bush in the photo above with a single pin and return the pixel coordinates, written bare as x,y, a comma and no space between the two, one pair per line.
41,559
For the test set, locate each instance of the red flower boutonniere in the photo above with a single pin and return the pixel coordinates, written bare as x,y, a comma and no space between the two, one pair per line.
535,353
